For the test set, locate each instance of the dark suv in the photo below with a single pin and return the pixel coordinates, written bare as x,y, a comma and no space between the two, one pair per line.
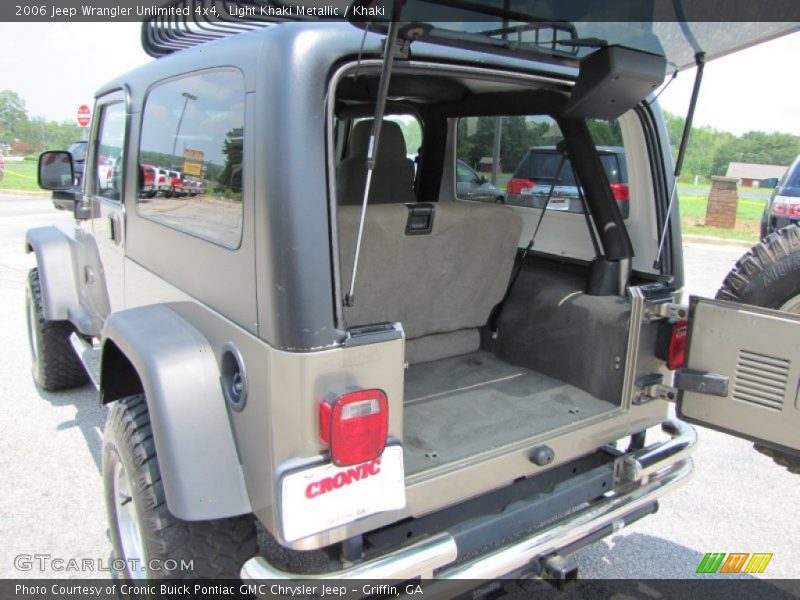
783,207
534,177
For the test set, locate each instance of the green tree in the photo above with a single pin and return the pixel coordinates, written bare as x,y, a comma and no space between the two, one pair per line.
13,116
230,178
605,133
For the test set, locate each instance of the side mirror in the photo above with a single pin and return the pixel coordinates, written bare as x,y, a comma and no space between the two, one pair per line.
482,179
55,170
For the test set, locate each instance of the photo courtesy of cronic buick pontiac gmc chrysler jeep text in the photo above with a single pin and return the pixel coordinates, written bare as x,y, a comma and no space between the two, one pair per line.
324,360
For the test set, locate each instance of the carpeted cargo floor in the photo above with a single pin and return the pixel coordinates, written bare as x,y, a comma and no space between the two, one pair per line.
461,406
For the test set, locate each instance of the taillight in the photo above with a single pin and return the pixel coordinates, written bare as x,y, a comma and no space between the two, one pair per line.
786,207
620,191
354,426
677,346
517,184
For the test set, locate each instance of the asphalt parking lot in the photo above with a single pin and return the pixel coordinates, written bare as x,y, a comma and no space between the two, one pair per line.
52,505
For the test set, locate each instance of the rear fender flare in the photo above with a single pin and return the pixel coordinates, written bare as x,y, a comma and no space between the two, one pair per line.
197,454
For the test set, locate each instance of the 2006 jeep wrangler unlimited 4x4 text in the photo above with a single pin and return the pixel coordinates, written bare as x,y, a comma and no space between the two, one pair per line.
324,363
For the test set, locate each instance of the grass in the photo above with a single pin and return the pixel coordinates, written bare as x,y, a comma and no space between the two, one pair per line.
748,218
20,176
684,186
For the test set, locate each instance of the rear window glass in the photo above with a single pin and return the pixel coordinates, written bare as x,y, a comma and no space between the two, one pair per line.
793,177
541,165
515,161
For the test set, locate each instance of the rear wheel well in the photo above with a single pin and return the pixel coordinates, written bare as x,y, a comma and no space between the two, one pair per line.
118,376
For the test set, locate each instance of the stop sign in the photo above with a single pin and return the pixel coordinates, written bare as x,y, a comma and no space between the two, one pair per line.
83,115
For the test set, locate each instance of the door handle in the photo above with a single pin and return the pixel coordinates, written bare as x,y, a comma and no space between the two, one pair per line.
114,225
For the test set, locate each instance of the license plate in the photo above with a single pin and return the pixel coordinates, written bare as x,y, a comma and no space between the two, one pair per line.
558,203
324,497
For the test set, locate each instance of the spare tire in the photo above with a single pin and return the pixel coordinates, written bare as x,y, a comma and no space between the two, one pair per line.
769,276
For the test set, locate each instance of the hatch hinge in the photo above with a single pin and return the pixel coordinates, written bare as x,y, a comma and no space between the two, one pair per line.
651,387
401,48
701,382
654,311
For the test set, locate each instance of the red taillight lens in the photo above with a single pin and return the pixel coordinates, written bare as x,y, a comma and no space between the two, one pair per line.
355,426
517,184
677,346
780,208
786,207
621,192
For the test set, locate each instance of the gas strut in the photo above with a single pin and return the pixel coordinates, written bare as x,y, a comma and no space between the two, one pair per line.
700,61
374,138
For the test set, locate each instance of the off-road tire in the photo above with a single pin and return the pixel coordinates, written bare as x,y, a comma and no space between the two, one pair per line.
768,276
215,549
55,365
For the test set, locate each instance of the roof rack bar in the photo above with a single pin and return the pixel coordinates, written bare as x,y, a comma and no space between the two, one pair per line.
164,34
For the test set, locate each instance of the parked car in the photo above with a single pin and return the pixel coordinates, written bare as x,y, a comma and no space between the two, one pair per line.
534,176
473,186
783,206
163,181
177,185
64,200
149,186
105,172
341,369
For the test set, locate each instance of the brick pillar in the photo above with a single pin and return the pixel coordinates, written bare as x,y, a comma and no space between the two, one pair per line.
722,203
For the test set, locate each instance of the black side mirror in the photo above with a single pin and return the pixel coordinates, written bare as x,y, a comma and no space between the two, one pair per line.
55,170
482,179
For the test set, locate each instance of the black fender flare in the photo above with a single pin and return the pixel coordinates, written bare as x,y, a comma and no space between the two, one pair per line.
179,374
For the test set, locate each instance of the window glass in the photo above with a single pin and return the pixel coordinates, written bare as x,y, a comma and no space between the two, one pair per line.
528,164
108,167
190,156
78,151
411,128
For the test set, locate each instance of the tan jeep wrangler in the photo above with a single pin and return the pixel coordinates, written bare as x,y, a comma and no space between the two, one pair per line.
329,362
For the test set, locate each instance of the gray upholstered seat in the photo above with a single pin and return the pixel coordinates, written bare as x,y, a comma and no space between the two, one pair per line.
440,286
393,177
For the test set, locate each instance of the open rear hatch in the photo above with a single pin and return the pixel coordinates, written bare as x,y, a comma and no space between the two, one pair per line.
565,32
742,373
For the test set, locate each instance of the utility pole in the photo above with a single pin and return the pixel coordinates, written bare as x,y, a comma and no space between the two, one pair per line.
188,97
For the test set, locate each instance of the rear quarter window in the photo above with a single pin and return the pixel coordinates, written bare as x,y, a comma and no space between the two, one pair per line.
193,131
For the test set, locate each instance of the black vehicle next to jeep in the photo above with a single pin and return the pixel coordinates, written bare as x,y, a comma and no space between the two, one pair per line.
542,166
783,206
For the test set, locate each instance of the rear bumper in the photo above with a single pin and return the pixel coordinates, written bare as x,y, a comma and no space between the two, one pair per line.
643,476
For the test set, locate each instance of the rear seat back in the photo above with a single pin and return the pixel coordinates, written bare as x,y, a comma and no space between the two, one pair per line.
444,282
393,177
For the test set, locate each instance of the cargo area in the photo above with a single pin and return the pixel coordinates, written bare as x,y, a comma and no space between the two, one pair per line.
462,406
478,381
556,360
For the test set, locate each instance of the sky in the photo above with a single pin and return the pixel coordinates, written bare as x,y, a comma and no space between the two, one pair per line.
56,67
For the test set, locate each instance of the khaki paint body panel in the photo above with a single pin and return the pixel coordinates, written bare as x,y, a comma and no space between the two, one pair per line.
757,350
278,428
